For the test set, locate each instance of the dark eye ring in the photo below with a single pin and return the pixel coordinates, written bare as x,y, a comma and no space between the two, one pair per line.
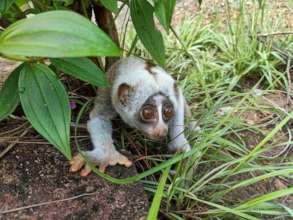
168,112
148,113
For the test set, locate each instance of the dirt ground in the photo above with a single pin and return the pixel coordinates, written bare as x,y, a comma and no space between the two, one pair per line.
281,10
36,184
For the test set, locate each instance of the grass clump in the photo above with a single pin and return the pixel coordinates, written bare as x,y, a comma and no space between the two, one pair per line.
238,84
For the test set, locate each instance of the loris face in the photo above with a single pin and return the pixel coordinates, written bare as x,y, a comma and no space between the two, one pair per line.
154,116
146,98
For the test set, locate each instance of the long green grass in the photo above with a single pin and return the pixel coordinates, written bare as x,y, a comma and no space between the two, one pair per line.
243,167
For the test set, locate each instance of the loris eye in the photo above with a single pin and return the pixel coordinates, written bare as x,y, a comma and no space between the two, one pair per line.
148,113
168,112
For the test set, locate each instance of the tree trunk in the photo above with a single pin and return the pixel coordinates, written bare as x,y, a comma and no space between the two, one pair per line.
105,21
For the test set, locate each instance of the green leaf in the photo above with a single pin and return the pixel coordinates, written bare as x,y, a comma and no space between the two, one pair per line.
62,4
155,207
266,197
82,68
288,209
164,10
46,105
142,16
56,34
67,2
112,5
266,208
5,5
9,97
21,3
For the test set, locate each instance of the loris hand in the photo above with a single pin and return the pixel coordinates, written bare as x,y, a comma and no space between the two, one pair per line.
79,163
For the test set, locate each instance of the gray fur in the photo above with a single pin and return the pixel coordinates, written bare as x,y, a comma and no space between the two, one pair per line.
145,80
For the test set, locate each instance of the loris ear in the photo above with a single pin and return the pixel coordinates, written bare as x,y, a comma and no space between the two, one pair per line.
124,93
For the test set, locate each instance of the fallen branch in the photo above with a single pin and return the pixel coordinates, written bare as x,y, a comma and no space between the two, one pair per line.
46,203
275,34
10,146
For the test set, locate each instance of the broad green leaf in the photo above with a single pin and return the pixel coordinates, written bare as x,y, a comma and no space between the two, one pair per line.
164,11
112,5
56,34
21,3
155,207
46,105
9,97
143,21
5,5
82,68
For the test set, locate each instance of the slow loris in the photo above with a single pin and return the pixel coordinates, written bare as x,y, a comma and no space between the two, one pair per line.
147,98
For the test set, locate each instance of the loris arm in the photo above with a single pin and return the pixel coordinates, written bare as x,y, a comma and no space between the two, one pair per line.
104,152
100,129
178,141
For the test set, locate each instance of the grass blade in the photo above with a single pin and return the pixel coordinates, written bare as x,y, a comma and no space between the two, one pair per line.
265,198
154,210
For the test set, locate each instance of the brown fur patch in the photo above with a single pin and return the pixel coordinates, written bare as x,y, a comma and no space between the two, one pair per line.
111,73
148,66
124,91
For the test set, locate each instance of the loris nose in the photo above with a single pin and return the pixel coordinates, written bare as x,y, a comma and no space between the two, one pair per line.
160,133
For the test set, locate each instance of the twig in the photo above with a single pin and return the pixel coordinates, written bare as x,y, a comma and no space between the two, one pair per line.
289,81
46,203
284,149
27,142
10,146
119,10
124,26
84,9
275,34
18,118
286,54
14,130
73,124
182,44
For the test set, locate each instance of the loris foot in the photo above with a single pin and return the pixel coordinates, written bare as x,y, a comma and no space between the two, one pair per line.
179,145
79,163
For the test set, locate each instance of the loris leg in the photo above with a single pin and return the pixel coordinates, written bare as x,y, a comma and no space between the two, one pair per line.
104,152
100,129
178,141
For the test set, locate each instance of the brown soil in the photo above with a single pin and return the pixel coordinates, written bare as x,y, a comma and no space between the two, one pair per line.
216,10
34,172
39,174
